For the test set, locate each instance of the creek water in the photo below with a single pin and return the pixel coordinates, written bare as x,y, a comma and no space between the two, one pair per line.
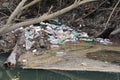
31,74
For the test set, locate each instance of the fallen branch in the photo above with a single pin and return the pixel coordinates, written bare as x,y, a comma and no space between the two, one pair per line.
8,28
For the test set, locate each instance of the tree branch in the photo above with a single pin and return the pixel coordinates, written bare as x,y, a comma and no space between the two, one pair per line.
30,4
105,28
16,11
7,28
115,32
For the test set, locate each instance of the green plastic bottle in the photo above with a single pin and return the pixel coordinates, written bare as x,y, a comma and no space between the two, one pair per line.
89,40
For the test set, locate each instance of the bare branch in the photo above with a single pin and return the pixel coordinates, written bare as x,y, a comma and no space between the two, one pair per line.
111,14
7,28
30,4
115,32
105,29
16,11
49,11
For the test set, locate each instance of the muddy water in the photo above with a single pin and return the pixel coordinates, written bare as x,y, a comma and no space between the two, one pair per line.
9,74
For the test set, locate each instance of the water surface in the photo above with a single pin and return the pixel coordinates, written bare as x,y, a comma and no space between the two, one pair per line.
28,74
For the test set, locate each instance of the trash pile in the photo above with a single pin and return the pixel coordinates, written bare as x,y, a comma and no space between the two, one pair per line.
55,33
59,34
50,34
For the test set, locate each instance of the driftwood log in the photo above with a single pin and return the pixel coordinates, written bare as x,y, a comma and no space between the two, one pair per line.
17,51
11,61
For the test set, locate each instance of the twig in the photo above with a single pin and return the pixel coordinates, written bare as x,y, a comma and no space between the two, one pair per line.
49,11
9,9
38,12
3,14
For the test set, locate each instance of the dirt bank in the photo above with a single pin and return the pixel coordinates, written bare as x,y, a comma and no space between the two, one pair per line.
74,57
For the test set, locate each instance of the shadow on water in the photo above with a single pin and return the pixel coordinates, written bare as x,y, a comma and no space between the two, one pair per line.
28,74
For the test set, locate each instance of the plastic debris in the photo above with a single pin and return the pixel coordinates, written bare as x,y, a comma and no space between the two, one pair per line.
61,34
76,33
60,53
15,79
2,43
29,44
54,46
84,34
35,50
89,40
103,41
31,33
24,60
84,64
57,33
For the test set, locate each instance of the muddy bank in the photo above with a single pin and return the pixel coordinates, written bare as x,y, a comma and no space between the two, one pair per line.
106,56
74,57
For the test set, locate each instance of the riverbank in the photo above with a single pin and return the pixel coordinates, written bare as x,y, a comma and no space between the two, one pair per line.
73,57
